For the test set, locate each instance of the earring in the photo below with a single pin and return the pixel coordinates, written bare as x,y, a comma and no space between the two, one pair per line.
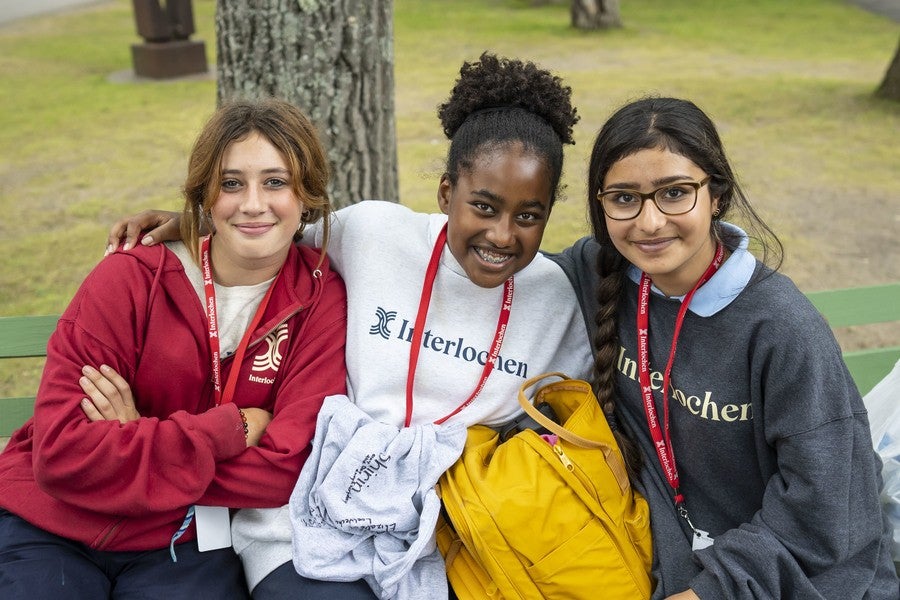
716,214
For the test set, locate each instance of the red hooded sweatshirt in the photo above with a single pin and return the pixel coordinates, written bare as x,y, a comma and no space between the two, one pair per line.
128,487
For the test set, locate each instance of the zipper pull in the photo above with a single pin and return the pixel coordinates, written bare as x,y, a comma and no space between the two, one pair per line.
562,457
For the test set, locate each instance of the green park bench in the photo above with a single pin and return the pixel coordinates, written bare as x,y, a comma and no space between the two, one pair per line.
22,337
869,305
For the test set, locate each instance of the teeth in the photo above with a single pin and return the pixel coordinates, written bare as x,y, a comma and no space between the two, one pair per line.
492,257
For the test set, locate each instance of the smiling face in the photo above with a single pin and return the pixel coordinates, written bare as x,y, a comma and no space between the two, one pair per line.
255,214
673,250
497,212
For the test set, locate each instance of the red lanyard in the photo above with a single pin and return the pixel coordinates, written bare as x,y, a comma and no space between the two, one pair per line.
661,436
416,342
223,397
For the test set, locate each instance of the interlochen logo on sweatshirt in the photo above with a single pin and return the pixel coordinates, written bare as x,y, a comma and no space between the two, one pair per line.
386,324
269,359
703,407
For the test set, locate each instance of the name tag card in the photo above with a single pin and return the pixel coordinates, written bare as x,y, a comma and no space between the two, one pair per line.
213,527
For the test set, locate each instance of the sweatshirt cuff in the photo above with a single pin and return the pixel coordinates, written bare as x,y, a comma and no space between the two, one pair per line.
224,430
706,586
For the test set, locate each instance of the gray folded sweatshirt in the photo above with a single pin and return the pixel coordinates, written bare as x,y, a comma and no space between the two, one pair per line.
365,506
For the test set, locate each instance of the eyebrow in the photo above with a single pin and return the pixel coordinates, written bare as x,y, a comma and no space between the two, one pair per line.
264,171
489,195
631,185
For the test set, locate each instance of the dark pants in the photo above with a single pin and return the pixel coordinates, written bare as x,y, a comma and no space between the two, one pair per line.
284,583
37,565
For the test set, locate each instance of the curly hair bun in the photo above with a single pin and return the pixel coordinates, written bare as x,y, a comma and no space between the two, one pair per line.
494,82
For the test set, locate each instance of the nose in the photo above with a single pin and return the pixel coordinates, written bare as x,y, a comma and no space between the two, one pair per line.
501,233
253,202
650,219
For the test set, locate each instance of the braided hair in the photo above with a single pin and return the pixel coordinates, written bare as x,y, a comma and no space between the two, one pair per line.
497,102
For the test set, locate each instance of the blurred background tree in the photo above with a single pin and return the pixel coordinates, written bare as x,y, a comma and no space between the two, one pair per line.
335,60
595,14
890,85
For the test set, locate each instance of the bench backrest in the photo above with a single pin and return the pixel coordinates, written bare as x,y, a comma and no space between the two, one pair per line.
22,337
864,306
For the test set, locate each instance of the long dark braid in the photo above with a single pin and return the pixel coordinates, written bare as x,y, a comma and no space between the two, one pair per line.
611,268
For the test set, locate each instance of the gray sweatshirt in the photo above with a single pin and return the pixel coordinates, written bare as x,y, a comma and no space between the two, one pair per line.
365,506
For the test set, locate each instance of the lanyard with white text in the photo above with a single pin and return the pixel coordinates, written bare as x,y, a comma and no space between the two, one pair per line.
416,342
224,396
661,436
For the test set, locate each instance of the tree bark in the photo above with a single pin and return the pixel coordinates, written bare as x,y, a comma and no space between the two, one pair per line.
890,85
595,14
335,60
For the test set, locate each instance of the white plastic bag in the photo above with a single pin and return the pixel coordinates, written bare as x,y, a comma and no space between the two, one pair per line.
883,404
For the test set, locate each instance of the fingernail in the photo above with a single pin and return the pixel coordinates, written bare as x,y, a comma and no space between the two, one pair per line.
147,240
86,370
109,250
104,368
126,247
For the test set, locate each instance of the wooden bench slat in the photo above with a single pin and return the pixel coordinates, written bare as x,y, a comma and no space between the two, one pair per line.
868,367
26,336
22,337
14,412
859,306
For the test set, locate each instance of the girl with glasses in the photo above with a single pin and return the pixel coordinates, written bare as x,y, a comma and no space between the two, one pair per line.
759,469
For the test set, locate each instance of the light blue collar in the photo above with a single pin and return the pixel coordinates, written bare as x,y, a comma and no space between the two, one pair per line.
729,281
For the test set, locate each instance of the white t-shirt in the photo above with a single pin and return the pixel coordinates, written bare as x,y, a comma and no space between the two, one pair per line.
235,305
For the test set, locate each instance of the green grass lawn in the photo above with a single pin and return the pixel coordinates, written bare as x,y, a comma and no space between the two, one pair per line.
789,84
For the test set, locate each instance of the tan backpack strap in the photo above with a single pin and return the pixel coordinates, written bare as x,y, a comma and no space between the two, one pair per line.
613,458
553,426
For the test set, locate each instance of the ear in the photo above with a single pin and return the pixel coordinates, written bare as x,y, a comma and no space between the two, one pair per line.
445,191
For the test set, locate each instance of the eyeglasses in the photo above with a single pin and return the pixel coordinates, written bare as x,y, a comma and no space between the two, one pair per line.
674,199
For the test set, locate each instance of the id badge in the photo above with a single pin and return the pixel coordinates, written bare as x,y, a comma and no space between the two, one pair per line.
213,527
701,540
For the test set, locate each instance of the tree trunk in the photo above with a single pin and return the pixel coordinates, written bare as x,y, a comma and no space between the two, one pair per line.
595,14
890,85
335,60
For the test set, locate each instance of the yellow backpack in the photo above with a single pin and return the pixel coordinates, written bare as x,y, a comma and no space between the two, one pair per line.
529,520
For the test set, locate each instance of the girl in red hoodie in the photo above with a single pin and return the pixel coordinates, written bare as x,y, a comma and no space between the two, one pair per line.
226,345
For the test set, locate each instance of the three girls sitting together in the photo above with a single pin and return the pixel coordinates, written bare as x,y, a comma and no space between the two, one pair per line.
194,388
